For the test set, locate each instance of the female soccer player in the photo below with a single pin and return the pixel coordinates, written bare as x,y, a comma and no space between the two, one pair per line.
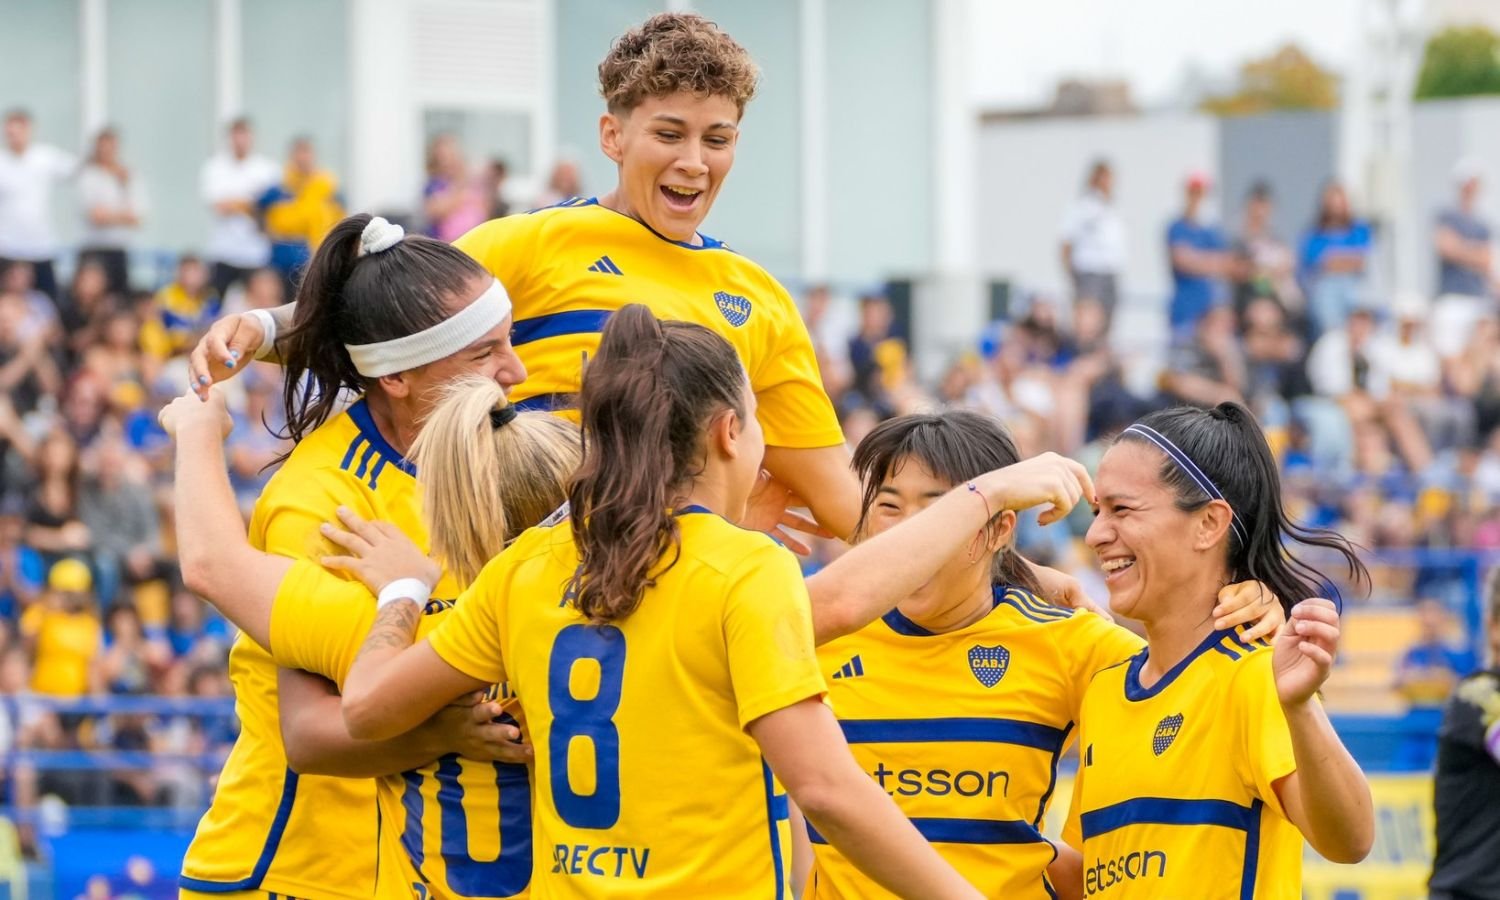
1000,673
1205,755
472,445
663,656
393,319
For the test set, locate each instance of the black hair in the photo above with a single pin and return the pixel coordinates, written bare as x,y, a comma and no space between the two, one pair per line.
345,298
18,112
1260,190
955,446
1227,444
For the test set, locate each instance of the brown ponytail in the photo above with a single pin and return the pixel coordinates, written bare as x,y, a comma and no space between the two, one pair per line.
483,483
647,398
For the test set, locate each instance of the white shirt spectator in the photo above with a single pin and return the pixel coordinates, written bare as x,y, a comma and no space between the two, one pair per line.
26,200
235,239
98,187
1095,231
1331,365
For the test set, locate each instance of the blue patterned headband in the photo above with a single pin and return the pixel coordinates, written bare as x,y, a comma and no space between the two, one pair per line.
1187,465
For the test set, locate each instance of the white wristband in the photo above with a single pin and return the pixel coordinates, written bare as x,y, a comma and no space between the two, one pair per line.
268,329
413,589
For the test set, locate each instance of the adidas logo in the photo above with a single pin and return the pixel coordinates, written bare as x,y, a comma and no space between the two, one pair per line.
851,669
606,266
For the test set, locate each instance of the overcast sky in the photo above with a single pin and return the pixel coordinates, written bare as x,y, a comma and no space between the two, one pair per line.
1022,47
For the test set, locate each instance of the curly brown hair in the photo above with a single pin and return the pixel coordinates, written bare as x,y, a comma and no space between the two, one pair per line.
674,52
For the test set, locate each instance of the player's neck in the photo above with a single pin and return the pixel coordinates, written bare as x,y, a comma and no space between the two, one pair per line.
977,604
392,420
1180,628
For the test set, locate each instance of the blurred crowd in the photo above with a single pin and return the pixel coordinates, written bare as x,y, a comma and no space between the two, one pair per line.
1384,411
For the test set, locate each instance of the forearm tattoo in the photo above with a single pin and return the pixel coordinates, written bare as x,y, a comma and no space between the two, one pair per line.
395,626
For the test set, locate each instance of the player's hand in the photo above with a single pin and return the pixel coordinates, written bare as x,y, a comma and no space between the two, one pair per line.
223,351
1249,601
768,511
1304,650
379,552
1061,589
468,728
1050,479
186,413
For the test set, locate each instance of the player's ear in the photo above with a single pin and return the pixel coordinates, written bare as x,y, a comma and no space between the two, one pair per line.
724,432
396,385
1002,531
610,127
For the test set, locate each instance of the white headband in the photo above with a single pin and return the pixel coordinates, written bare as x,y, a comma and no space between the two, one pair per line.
441,340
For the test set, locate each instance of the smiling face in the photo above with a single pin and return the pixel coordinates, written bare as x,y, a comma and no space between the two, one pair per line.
673,153
1152,552
910,488
492,356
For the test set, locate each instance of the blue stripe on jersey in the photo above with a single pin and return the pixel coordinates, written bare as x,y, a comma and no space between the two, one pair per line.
1226,651
1042,620
547,403
577,321
983,730
1165,811
353,449
1041,808
1037,606
360,414
964,831
1234,636
375,474
267,853
776,811
902,625
364,462
411,835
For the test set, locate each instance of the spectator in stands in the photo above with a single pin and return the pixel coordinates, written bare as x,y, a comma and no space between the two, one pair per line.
870,349
1465,284
131,662
1433,665
1274,351
1265,265
22,570
453,200
53,525
493,189
1474,374
1335,255
232,182
1350,364
117,505
1093,241
27,369
63,635
1200,261
84,309
113,204
253,446
299,210
1211,369
183,311
562,184
1468,778
28,171
1416,375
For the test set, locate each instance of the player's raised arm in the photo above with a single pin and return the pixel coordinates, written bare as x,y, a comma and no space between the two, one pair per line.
232,342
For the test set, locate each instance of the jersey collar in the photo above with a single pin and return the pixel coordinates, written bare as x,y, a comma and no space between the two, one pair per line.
359,414
1133,688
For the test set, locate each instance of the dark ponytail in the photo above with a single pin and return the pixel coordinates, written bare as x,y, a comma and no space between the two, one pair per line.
1228,445
647,397
345,298
955,446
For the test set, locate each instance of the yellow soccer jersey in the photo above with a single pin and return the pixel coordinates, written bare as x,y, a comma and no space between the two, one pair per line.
647,784
568,267
269,828
455,829
1174,795
964,731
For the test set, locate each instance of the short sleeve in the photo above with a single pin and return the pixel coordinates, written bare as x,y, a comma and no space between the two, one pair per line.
319,621
506,248
794,408
1267,755
768,636
468,638
1177,233
1090,644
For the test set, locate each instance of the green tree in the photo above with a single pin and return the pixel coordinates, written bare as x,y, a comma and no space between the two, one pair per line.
1286,79
1460,62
